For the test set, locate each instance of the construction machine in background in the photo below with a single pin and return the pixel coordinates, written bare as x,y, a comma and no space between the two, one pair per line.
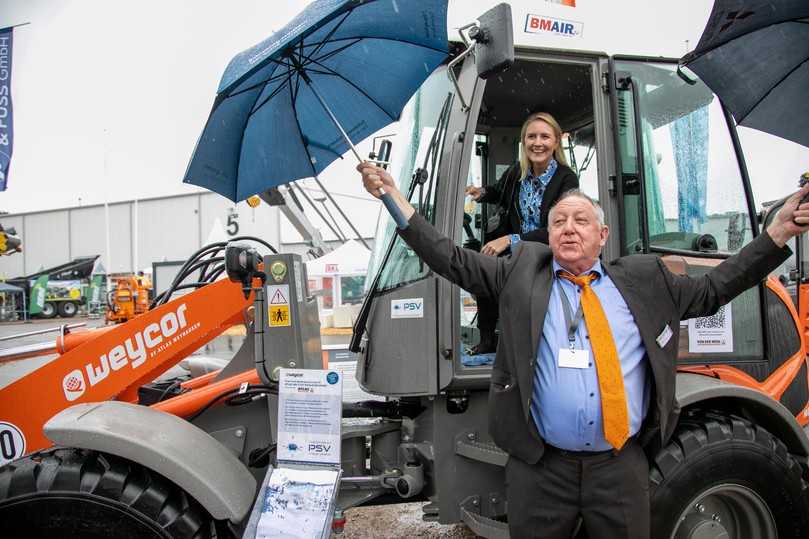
129,297
58,290
188,464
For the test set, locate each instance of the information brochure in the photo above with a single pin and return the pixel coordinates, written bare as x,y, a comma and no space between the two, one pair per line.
310,408
297,498
298,504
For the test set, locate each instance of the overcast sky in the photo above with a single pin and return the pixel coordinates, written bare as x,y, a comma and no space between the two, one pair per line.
110,95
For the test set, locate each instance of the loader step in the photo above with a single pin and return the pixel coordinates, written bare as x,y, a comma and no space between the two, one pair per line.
481,525
481,451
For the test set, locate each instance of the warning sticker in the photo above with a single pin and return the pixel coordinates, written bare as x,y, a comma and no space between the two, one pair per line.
279,315
278,294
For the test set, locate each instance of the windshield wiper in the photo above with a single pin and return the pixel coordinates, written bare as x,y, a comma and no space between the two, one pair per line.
420,176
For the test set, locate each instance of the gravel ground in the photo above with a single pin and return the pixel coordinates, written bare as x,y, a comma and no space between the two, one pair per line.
396,521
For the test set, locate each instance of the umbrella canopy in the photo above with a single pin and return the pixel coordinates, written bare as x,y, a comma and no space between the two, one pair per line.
754,54
340,69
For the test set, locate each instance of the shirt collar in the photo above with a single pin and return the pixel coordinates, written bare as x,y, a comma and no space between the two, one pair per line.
596,267
546,176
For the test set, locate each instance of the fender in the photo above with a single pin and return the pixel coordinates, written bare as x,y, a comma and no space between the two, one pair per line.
772,415
162,442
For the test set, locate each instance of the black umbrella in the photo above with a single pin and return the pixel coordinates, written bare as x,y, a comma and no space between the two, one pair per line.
754,54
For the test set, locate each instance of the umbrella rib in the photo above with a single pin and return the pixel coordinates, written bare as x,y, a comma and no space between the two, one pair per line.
773,87
383,38
327,37
333,52
275,92
262,83
292,95
360,90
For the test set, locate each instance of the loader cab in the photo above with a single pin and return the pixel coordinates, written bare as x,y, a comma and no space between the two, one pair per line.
654,147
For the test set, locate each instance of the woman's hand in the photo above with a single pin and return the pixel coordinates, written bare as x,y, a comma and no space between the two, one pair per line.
495,247
474,192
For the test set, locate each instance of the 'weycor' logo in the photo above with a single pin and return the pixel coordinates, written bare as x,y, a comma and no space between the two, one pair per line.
132,351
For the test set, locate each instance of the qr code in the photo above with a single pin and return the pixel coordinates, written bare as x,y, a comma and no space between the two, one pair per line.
716,321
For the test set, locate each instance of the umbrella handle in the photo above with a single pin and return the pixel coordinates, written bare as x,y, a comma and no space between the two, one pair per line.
394,210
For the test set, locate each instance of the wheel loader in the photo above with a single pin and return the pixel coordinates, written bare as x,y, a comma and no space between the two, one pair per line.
649,141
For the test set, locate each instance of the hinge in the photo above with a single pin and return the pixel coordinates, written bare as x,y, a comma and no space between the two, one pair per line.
605,83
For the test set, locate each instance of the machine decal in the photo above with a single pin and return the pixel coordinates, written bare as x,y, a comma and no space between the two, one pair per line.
407,308
712,333
134,351
540,24
12,442
278,313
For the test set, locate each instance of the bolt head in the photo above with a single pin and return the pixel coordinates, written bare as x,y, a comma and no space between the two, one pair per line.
699,507
239,433
470,436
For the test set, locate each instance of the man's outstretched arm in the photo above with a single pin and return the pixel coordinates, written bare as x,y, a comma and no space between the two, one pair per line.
479,274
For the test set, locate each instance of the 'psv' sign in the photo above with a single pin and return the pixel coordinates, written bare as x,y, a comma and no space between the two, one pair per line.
540,24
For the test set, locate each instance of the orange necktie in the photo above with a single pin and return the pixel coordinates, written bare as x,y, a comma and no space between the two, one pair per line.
608,366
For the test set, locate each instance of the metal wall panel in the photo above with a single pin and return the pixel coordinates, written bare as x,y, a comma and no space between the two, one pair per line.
46,240
87,231
120,256
140,232
167,229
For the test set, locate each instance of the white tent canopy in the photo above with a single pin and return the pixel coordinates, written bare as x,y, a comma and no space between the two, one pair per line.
351,258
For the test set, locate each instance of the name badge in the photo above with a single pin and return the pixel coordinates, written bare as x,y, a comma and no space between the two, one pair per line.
574,358
664,337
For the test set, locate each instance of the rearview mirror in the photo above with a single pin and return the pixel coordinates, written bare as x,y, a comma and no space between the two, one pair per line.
495,41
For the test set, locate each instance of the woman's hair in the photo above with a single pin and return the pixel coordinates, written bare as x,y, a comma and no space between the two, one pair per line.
558,153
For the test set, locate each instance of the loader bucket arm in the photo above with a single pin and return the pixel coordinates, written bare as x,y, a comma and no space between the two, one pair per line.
113,364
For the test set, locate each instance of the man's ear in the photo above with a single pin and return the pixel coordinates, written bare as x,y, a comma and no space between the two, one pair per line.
605,233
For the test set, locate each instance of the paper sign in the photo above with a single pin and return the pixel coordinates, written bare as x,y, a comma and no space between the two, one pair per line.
711,334
310,409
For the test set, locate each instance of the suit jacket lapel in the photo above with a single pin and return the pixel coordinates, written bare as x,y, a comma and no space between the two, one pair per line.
540,294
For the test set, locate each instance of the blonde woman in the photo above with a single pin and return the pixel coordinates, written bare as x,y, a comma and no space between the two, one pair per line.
523,195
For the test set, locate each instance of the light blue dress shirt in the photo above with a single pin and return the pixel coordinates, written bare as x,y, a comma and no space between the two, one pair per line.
566,402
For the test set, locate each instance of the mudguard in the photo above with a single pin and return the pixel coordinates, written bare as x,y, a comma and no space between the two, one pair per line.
162,442
772,415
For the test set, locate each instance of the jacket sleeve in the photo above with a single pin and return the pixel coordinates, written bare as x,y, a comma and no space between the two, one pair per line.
479,274
703,295
494,193
569,181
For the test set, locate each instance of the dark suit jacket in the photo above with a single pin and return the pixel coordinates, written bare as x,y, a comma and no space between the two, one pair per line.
506,193
656,297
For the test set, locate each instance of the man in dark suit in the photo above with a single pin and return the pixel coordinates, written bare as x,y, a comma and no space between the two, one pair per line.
570,400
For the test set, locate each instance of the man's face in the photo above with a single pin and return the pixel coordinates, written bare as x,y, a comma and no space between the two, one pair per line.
575,235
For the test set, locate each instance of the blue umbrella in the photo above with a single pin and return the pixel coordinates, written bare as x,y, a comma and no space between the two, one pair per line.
338,72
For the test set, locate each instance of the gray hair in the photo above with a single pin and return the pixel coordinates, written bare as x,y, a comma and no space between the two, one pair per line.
578,193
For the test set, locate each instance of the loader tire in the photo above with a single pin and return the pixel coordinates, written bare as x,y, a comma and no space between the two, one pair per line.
722,476
93,495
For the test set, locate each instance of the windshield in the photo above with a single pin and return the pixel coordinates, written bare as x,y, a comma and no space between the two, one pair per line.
417,127
695,198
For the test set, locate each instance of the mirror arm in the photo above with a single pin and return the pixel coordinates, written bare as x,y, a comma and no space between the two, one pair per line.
470,47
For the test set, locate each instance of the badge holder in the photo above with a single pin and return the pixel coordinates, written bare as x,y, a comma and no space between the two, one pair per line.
297,499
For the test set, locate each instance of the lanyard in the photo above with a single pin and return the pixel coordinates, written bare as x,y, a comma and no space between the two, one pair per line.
572,322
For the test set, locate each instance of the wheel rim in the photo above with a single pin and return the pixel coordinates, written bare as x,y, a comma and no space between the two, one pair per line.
70,308
726,511
48,310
